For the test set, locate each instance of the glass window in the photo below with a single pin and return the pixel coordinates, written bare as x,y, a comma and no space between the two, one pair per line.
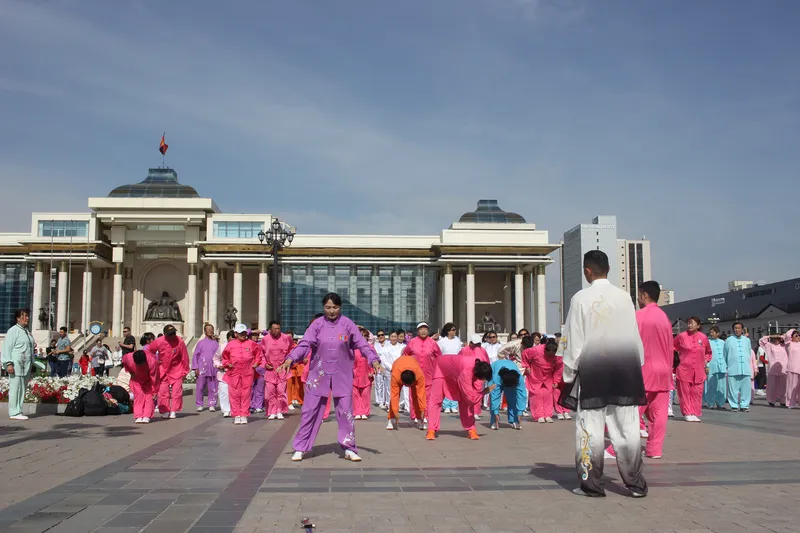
63,228
16,290
237,230
159,227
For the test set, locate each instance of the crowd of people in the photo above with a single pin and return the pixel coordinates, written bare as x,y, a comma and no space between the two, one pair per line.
616,367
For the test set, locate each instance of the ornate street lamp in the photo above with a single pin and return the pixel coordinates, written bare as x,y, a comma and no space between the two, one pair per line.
277,237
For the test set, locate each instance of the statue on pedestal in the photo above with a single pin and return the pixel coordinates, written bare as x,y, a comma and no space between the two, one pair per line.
230,317
164,308
489,324
45,314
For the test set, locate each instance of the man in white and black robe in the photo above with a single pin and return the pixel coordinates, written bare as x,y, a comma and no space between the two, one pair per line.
603,358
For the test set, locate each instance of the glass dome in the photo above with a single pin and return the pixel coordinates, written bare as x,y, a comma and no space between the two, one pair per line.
160,183
489,211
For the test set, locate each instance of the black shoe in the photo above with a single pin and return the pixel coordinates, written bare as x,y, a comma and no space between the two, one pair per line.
771,404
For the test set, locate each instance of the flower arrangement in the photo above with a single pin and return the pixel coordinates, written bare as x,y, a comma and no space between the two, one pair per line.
54,390
190,378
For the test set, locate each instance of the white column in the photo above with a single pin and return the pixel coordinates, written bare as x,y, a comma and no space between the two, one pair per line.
263,283
527,287
541,299
87,299
191,302
448,293
507,316
470,301
61,310
519,299
105,277
237,292
213,287
38,293
116,305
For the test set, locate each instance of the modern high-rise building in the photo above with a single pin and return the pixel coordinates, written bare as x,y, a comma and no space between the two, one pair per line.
633,265
601,234
666,297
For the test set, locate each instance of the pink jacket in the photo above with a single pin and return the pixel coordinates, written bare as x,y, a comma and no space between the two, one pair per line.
361,370
777,356
242,355
173,358
458,375
694,351
655,329
542,370
275,352
793,353
426,352
146,376
475,353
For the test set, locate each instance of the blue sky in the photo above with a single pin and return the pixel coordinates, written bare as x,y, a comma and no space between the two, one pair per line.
395,117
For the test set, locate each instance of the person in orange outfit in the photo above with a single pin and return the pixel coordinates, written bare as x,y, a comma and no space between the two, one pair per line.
406,372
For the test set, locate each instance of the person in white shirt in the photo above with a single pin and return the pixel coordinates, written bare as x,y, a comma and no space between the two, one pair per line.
603,357
388,353
450,344
381,383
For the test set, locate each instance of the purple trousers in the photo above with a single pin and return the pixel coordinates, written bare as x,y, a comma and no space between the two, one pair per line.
209,385
257,397
311,420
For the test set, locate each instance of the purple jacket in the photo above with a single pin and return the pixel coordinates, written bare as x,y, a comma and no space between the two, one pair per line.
203,357
332,344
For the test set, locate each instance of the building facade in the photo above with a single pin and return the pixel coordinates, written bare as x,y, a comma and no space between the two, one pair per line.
108,266
601,234
633,265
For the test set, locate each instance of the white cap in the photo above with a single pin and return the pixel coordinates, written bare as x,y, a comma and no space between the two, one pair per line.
422,325
476,338
240,328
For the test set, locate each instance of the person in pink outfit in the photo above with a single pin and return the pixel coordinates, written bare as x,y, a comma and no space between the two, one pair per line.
475,350
426,351
143,368
276,346
777,359
541,366
173,365
694,351
655,329
792,342
362,382
239,358
461,379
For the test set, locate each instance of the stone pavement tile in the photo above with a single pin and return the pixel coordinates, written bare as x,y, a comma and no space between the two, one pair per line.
131,519
118,499
88,519
195,499
162,525
43,521
150,506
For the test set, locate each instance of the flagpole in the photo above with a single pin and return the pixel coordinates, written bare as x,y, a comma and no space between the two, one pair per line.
164,153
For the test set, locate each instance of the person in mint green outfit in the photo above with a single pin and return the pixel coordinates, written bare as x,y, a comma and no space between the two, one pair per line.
18,352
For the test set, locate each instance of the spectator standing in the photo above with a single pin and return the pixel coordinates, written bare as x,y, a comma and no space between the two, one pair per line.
63,353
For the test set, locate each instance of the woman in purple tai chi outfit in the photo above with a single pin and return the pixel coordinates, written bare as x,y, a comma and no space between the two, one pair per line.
331,339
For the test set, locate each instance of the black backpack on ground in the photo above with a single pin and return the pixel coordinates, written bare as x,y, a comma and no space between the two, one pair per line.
119,394
94,404
76,407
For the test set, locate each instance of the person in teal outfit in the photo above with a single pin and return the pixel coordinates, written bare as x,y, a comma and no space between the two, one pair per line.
716,383
738,354
507,380
17,359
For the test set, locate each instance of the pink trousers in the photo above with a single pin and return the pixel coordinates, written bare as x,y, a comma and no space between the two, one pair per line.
277,399
656,412
361,397
558,408
143,404
792,389
239,396
170,401
465,412
691,398
776,387
541,402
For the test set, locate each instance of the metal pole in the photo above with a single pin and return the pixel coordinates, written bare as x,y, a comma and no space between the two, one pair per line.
69,278
276,309
50,281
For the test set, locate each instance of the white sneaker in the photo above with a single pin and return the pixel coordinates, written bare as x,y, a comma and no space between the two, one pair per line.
164,415
18,417
548,420
688,418
173,415
424,424
244,420
696,418
567,416
392,425
236,420
516,425
145,420
643,433
137,421
540,421
560,416
297,456
279,416
271,417
477,417
212,409
200,409
350,455
258,411
670,413
454,411
226,414
291,407
493,426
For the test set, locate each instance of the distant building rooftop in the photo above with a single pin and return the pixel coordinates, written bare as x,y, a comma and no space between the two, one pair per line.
489,211
160,183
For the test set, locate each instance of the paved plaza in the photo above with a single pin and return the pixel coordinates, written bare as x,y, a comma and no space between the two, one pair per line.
202,474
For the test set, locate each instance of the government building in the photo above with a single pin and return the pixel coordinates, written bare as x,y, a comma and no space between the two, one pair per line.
157,245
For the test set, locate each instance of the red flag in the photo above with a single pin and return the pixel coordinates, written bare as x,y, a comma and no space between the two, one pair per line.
163,146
